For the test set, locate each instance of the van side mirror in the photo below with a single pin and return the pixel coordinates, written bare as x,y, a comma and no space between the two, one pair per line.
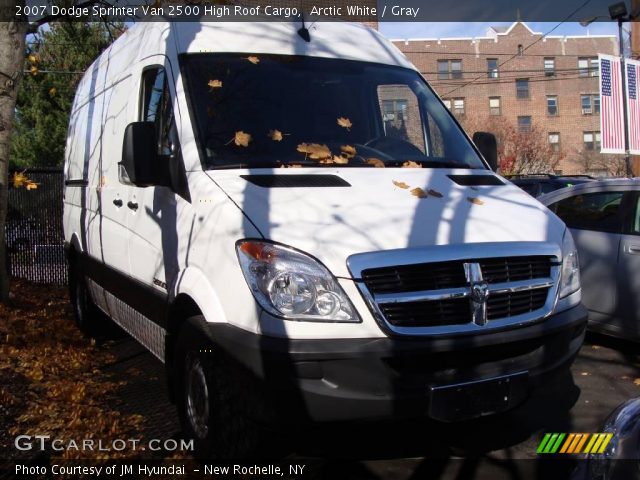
140,160
488,146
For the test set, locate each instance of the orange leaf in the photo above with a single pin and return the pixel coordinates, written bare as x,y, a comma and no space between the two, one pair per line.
348,151
636,381
340,159
434,193
411,164
215,83
253,59
345,123
418,192
275,135
33,58
376,162
242,139
19,179
315,151
31,185
34,70
400,184
475,201
53,91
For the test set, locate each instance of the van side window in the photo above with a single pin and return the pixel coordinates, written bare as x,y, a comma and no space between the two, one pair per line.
401,114
157,108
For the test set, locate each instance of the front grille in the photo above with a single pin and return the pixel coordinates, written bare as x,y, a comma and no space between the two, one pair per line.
502,305
437,295
457,311
440,275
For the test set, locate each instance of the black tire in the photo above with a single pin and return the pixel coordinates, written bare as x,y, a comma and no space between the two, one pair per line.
212,406
89,318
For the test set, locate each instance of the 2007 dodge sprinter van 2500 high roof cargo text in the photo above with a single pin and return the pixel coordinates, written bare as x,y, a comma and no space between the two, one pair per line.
225,203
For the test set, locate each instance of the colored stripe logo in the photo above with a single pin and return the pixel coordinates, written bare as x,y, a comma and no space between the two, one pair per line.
574,443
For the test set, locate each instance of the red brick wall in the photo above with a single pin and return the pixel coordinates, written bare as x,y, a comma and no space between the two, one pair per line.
566,84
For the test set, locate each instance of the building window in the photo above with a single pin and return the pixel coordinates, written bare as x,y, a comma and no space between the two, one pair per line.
588,66
590,104
522,88
458,106
591,140
492,67
447,103
520,50
524,124
449,69
549,66
554,141
394,110
494,105
552,105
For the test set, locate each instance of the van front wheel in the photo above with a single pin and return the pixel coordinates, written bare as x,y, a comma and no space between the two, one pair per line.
209,401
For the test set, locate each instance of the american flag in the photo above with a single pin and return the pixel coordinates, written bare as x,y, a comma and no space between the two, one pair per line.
611,113
633,105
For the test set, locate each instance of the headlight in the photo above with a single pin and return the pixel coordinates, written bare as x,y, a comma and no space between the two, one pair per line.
570,274
287,283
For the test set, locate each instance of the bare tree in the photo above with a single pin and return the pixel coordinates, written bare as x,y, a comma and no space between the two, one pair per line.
593,162
519,151
12,43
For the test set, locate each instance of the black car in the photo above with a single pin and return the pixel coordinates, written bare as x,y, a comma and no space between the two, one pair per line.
538,184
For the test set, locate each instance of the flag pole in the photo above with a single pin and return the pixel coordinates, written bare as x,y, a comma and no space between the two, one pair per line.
627,156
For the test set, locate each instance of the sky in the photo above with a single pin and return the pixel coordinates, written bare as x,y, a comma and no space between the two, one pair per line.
403,30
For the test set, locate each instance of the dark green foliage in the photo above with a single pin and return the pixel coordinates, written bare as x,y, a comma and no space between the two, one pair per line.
46,96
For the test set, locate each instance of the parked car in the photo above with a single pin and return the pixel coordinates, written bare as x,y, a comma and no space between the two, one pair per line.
604,217
536,185
347,288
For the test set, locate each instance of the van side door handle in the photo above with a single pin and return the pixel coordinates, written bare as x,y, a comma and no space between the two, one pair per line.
117,202
132,205
633,249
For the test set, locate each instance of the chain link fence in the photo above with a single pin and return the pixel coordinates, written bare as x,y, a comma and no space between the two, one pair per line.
34,237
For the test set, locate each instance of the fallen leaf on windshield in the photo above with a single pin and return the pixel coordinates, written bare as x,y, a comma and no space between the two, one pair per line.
345,123
434,193
475,201
348,151
315,151
411,164
585,374
253,59
242,139
636,381
215,83
376,162
418,192
340,159
275,135
400,184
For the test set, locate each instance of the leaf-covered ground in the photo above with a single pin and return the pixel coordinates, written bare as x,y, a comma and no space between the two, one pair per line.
52,380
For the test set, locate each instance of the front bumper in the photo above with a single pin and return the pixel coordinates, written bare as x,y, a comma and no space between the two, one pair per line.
382,378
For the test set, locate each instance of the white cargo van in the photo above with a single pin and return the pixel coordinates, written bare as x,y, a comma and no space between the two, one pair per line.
297,226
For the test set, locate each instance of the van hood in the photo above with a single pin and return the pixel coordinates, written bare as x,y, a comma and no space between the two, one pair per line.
378,209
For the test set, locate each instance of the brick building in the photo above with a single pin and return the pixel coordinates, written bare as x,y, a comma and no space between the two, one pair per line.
518,75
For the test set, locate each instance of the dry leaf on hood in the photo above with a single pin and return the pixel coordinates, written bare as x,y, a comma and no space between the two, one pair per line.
345,123
242,139
215,83
315,151
376,162
411,164
434,193
253,59
400,184
418,192
275,135
475,201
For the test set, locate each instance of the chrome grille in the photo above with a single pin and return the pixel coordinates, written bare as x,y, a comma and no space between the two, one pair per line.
460,293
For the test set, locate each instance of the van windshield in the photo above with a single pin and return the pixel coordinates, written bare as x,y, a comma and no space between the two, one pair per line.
254,111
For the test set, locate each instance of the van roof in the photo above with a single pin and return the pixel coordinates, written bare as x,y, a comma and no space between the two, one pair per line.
351,41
